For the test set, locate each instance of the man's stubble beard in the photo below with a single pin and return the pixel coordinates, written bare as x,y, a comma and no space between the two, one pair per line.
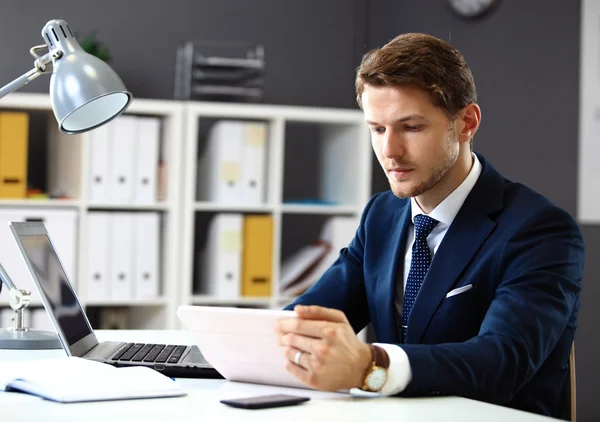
437,174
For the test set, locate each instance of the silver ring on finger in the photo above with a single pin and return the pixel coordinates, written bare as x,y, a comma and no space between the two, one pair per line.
297,357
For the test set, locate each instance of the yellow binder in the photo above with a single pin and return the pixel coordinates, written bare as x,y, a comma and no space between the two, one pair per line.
257,261
14,137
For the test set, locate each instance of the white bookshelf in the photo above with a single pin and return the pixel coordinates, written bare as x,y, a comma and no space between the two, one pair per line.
247,301
39,203
71,171
344,163
129,207
129,303
216,207
320,209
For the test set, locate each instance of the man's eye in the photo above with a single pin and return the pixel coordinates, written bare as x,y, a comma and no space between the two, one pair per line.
415,128
378,130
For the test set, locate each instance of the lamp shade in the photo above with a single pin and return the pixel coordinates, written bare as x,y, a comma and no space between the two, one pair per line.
85,92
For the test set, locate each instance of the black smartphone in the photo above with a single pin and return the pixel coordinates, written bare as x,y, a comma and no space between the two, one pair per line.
265,402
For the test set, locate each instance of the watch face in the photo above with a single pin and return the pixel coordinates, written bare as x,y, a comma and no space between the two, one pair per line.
376,379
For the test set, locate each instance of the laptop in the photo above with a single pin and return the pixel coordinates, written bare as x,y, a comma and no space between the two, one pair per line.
73,327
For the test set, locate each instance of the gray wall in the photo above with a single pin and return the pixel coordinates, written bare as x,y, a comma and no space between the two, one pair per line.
524,55
310,45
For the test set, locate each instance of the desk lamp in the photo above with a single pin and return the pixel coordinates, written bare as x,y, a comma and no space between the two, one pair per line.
85,93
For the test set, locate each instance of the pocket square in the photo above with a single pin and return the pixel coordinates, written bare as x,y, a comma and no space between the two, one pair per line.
459,290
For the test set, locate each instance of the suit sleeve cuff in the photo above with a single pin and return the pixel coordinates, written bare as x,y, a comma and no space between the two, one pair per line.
399,372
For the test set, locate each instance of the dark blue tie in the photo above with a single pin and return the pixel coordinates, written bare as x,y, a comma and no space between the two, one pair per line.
419,264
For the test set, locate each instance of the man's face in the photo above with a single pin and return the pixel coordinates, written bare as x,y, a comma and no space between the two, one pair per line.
414,141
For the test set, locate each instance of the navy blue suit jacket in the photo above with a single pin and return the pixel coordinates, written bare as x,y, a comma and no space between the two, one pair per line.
506,340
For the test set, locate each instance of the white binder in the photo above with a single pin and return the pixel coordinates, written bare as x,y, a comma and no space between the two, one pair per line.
121,255
221,264
99,150
146,255
61,226
220,166
123,133
253,166
98,264
146,160
338,231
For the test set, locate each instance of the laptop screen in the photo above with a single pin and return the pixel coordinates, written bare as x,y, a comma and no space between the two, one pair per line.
56,287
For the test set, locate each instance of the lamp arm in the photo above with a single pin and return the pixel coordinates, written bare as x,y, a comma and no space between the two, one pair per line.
41,65
5,279
19,82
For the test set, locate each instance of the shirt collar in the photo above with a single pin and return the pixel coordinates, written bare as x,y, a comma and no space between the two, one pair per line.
449,207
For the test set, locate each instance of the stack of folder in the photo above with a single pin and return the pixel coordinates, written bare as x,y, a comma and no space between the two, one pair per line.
232,167
123,254
237,259
124,161
219,71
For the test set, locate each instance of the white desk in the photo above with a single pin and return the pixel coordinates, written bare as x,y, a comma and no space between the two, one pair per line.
202,400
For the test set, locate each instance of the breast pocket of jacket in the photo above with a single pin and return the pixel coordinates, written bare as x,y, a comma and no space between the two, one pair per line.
459,291
459,316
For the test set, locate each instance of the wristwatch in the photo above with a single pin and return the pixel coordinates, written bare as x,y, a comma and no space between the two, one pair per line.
376,375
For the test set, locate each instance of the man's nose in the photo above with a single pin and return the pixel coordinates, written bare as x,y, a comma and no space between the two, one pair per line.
392,145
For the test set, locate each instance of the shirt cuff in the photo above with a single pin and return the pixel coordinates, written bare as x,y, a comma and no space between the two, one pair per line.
399,373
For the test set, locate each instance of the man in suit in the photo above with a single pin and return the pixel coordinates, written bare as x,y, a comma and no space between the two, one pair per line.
471,281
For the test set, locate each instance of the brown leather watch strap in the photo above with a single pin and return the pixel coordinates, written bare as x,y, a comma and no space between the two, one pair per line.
380,356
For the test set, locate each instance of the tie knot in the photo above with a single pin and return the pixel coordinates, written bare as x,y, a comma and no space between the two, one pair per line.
424,225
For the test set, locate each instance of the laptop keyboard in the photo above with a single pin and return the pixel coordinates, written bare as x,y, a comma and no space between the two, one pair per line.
142,352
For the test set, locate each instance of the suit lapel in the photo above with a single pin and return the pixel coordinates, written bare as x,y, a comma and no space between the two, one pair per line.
388,276
471,226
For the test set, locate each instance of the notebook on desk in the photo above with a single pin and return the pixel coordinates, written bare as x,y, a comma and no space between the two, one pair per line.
73,327
72,379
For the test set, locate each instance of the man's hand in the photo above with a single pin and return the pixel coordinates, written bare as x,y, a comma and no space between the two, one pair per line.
333,357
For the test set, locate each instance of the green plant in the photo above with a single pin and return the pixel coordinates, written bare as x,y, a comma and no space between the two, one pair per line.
91,45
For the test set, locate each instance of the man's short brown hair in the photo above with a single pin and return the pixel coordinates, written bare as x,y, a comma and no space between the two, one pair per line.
423,61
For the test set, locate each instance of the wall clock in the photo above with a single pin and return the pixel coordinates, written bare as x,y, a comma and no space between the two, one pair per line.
471,8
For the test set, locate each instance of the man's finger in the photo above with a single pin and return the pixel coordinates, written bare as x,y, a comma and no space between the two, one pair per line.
320,313
298,341
305,327
302,374
291,353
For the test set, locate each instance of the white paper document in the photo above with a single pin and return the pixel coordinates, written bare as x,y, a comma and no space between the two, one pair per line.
240,343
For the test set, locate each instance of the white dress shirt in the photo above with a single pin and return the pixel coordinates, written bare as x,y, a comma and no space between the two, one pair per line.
399,372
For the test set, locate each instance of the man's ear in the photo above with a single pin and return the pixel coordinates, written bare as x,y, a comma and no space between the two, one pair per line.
471,118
